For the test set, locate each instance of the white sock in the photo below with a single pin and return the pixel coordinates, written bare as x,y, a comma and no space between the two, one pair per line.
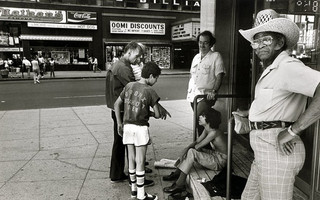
132,175
140,184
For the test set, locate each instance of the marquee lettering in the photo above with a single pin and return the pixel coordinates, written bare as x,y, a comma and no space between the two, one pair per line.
174,2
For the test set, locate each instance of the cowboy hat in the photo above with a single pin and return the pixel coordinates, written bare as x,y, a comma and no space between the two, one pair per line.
269,21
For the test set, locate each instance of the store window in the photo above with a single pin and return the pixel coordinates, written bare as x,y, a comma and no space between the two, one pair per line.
158,54
73,57
306,49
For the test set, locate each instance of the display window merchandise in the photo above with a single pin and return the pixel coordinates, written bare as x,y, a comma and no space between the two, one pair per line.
158,54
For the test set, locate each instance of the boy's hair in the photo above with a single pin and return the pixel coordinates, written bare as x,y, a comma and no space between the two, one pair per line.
132,46
213,117
150,68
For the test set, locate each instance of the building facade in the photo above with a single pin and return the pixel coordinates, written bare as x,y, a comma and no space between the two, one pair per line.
71,31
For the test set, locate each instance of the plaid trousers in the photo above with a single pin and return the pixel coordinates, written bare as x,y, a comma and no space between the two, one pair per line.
272,174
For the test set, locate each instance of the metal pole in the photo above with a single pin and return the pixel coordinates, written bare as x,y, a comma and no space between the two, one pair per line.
229,161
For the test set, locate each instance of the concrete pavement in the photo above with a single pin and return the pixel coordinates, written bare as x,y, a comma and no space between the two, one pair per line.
64,153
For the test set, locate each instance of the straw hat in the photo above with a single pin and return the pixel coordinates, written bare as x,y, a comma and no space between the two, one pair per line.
269,21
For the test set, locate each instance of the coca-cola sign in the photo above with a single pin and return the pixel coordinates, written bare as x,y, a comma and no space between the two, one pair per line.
81,17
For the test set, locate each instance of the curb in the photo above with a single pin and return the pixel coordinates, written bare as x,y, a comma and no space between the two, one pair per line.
77,77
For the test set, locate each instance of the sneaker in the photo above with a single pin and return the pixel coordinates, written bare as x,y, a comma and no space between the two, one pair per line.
150,197
38,81
147,183
122,179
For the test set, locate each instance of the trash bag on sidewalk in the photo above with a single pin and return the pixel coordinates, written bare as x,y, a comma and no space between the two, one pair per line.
218,185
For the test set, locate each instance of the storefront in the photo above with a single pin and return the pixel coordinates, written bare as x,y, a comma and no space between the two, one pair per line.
71,32
184,39
153,32
63,35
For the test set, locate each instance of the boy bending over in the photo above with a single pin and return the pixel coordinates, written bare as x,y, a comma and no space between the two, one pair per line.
136,99
214,159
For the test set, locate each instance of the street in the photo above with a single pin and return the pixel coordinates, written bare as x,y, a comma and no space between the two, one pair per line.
17,95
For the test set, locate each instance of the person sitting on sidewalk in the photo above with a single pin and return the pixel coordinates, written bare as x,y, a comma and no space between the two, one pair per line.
214,159
136,100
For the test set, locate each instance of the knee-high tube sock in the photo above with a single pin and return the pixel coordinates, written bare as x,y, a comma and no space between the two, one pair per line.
140,184
132,175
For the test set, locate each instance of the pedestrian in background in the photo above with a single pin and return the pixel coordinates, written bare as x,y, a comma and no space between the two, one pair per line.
26,63
136,99
1,63
19,63
36,70
278,113
41,62
206,74
6,64
52,64
95,65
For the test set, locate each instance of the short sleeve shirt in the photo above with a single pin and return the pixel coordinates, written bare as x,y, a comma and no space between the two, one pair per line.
138,98
35,64
282,90
121,75
204,73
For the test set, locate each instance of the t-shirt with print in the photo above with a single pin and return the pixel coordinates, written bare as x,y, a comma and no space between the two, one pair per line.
138,98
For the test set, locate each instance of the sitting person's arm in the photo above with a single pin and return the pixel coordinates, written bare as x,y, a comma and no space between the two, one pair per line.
208,137
195,144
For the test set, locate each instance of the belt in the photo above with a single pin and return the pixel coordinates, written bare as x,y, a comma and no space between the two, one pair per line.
270,124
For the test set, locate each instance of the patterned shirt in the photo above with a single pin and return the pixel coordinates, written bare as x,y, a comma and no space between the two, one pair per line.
138,98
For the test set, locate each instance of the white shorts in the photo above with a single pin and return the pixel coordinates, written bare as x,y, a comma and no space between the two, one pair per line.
136,135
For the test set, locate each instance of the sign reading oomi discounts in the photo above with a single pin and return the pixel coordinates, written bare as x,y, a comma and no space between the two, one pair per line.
144,28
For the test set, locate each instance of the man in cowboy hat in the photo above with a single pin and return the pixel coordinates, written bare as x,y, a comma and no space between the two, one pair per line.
277,115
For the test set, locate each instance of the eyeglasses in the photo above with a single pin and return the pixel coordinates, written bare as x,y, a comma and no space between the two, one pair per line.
204,43
266,40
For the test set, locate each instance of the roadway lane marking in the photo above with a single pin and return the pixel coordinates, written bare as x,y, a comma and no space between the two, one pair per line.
75,97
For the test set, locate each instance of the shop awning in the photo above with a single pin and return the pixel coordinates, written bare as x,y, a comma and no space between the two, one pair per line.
125,41
56,38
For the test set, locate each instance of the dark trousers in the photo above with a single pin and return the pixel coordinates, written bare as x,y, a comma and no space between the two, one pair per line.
118,152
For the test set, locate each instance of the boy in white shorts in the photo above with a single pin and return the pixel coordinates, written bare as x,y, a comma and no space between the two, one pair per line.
136,100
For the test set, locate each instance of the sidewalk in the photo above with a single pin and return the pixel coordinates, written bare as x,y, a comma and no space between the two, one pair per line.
64,153
82,74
